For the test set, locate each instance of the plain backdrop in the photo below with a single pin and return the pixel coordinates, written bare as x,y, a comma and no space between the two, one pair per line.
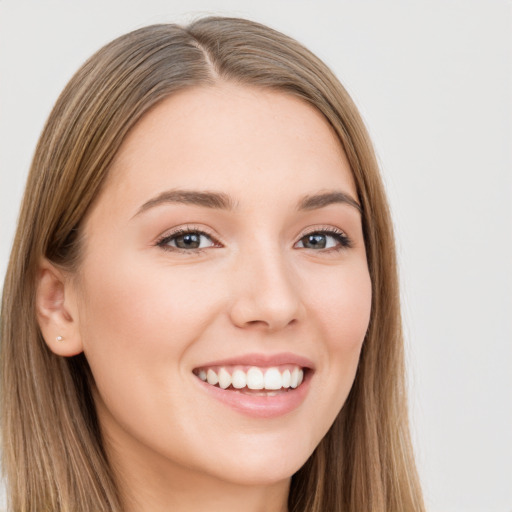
433,80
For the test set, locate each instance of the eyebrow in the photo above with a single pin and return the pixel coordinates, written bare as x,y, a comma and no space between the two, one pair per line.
215,200
321,200
222,201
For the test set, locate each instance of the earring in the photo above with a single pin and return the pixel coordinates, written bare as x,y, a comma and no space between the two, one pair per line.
60,338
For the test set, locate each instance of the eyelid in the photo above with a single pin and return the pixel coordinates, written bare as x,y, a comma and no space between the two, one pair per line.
183,230
329,230
345,242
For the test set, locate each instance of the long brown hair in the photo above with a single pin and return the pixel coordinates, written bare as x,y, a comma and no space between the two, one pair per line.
53,455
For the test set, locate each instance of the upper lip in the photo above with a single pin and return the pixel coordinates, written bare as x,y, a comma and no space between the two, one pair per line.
262,360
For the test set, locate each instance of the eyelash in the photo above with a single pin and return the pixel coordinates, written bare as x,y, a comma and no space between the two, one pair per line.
343,240
340,236
163,241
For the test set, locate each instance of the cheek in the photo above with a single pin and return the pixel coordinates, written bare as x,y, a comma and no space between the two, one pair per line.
340,309
341,305
138,329
143,307
140,324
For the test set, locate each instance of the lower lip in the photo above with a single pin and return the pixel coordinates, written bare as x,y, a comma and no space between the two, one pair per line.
261,406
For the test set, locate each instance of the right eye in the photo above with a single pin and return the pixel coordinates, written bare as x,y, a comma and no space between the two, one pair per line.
186,240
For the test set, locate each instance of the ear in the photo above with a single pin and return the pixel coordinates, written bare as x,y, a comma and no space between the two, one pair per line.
57,311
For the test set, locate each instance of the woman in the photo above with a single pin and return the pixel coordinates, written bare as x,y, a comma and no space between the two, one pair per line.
201,308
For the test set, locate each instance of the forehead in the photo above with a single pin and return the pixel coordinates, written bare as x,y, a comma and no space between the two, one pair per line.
232,138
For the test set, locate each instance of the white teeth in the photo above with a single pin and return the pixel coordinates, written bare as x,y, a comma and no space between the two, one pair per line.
286,378
224,379
255,378
273,379
294,381
239,379
211,377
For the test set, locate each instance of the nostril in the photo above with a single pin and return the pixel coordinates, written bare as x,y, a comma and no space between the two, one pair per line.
268,302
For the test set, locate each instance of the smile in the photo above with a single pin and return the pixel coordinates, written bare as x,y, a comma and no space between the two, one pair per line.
253,379
256,385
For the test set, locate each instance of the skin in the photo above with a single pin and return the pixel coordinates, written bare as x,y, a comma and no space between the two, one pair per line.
146,315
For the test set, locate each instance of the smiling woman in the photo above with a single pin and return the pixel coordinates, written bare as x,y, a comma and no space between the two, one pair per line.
201,308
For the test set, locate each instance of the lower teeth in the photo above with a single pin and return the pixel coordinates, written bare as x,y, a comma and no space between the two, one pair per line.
258,392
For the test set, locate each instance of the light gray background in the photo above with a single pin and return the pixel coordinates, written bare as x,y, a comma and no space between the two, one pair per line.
433,80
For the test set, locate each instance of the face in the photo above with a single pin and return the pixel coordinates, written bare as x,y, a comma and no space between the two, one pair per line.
225,246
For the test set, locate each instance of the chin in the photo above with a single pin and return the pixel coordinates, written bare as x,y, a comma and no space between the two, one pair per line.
263,467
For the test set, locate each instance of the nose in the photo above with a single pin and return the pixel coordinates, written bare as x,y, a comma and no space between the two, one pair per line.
266,292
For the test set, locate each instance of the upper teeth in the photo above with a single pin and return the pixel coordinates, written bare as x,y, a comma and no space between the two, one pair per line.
254,378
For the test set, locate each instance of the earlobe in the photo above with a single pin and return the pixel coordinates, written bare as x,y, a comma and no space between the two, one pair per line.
57,314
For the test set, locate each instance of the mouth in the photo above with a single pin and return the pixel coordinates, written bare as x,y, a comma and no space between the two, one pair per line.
260,386
253,380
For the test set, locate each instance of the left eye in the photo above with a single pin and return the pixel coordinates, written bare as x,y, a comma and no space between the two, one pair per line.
189,240
321,241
